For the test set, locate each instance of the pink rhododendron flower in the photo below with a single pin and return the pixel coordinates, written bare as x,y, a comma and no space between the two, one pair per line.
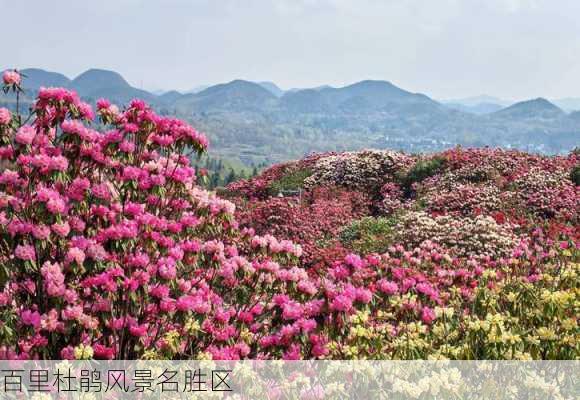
166,268
387,287
25,135
67,353
364,295
139,330
50,321
353,260
25,252
341,303
11,78
41,232
53,279
61,230
31,318
5,116
103,352
427,315
76,255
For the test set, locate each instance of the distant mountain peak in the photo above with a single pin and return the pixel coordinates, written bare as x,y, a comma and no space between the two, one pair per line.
537,103
96,83
196,89
234,84
96,79
541,101
237,95
538,107
100,71
237,87
372,82
367,96
240,82
170,97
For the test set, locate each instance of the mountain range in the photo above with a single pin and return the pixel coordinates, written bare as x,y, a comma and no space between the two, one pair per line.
258,122
484,104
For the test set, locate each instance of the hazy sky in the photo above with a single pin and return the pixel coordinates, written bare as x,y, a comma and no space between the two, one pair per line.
444,48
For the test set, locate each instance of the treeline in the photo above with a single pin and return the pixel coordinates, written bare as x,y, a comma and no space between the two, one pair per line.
218,172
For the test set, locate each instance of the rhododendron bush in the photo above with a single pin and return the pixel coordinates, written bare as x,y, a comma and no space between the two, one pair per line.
110,250
314,219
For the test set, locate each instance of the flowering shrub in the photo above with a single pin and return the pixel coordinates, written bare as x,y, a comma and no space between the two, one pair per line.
11,79
465,199
290,175
548,193
313,221
109,250
366,169
490,311
393,199
479,236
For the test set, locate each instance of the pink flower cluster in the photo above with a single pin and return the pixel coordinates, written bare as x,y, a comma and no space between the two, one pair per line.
11,78
5,116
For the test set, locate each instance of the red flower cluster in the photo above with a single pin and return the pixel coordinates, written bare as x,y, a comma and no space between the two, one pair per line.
313,221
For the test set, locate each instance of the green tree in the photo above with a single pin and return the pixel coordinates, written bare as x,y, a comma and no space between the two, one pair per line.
232,177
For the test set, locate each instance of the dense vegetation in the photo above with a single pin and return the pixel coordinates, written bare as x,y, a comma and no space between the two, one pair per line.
216,172
110,249
468,253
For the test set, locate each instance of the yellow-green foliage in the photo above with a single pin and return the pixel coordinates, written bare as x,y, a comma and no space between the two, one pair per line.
422,170
368,235
515,319
290,182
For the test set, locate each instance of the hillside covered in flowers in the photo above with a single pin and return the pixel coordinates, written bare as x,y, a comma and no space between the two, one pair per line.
109,248
467,253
